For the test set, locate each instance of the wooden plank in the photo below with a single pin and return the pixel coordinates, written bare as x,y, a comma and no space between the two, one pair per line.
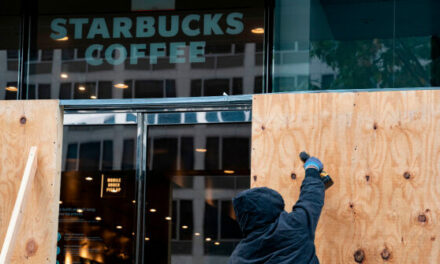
24,124
383,152
20,205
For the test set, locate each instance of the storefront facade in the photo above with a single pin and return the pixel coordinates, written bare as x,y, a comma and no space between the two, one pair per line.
157,99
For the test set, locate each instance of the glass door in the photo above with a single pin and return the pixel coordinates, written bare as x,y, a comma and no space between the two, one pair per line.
194,164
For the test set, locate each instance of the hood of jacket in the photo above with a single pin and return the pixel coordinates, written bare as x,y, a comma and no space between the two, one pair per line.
257,207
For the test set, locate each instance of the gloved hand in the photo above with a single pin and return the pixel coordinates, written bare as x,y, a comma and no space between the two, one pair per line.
313,162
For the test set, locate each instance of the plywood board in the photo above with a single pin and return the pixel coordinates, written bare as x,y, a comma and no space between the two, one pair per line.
24,124
383,151
19,206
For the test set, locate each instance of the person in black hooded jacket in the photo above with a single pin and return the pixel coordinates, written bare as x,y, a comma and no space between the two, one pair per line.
274,236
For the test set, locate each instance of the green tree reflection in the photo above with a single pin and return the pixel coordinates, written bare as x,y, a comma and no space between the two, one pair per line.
375,63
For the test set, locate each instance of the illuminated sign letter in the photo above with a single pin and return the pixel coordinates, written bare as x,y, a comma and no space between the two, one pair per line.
122,26
98,27
176,52
145,27
78,22
234,20
187,29
109,54
89,54
197,51
135,52
57,26
163,26
156,50
211,24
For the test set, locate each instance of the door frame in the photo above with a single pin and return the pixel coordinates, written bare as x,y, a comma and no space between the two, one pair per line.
149,113
148,120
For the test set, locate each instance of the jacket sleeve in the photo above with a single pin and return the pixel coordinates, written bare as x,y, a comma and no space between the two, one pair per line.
311,200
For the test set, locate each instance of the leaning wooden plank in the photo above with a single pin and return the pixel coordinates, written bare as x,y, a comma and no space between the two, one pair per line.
20,204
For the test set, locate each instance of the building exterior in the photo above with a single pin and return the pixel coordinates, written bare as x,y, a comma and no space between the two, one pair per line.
157,98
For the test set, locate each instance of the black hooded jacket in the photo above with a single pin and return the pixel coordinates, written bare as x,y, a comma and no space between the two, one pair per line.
273,236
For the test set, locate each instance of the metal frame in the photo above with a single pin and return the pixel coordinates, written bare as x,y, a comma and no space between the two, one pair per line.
144,118
115,111
181,104
140,184
187,118
159,119
81,119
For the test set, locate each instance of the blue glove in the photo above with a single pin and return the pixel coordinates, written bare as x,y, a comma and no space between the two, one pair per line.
313,162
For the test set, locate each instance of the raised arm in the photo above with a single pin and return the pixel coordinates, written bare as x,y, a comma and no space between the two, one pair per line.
311,199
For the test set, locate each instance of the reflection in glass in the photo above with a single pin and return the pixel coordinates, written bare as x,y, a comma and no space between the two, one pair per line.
190,217
97,205
195,49
9,56
329,44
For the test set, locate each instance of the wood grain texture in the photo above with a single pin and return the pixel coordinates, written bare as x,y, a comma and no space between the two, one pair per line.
24,124
382,150
19,206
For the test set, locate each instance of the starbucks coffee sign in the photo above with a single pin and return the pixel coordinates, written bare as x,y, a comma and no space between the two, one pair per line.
181,38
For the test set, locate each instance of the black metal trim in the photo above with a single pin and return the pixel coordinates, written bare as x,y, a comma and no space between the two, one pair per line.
28,37
23,49
268,45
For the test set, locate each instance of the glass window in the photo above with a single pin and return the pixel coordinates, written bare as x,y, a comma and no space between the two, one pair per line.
194,172
97,205
416,43
161,52
9,56
332,44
